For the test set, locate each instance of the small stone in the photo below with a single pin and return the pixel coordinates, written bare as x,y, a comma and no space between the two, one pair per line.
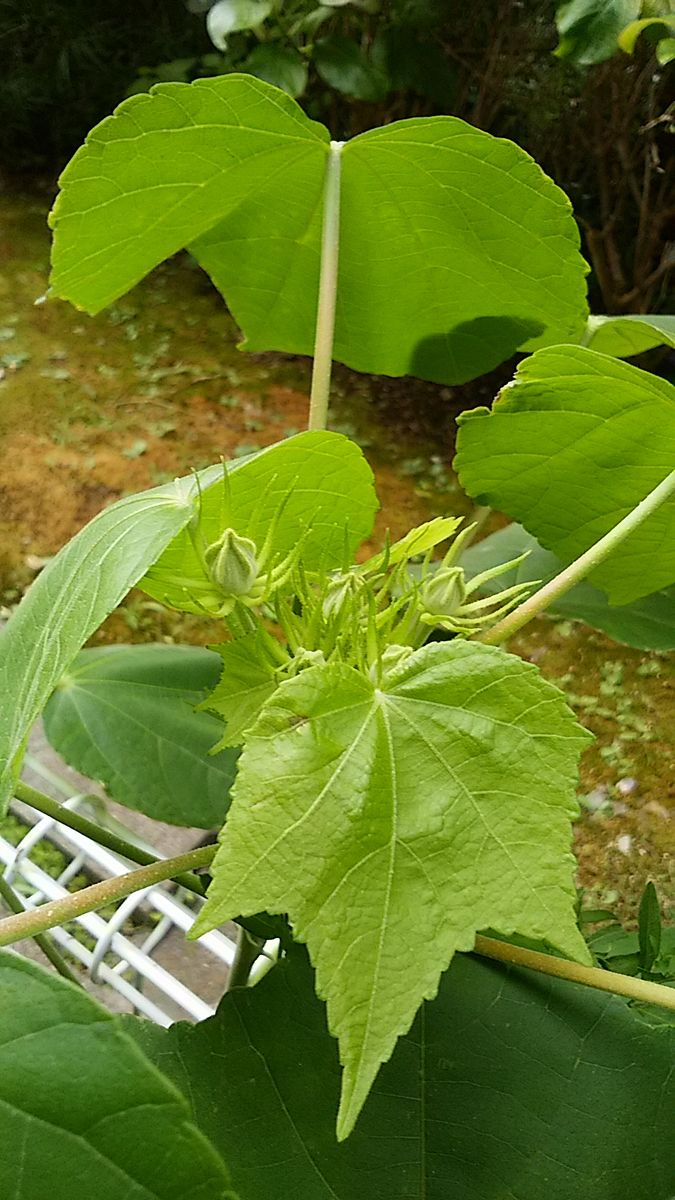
627,786
596,799
624,844
537,654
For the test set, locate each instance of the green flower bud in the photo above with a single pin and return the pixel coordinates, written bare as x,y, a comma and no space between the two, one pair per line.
337,594
232,563
444,592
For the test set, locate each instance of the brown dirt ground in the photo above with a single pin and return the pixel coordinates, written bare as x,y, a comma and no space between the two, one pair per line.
93,408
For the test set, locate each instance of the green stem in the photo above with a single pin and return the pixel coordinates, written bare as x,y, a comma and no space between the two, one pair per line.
97,833
28,924
581,567
328,280
248,950
594,977
89,899
74,820
46,944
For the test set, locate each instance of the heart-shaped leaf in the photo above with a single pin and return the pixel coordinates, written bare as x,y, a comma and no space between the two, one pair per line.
570,448
68,601
391,823
508,1084
125,715
234,170
83,1113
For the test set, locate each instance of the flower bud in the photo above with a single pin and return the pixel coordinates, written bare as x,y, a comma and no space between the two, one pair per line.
232,563
337,594
444,592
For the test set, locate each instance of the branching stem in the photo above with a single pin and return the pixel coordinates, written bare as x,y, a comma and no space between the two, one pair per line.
581,567
328,281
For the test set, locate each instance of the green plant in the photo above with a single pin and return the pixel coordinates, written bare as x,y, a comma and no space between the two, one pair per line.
593,30
398,802
356,48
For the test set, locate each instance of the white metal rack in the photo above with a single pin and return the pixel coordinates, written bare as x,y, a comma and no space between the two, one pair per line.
133,964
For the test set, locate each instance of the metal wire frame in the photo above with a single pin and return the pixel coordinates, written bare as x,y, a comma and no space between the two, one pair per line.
109,937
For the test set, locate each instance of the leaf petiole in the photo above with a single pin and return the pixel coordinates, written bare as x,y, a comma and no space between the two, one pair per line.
581,567
325,319
89,899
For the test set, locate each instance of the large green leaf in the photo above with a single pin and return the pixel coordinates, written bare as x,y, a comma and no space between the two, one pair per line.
68,601
508,1085
624,336
393,822
318,485
171,164
569,449
457,246
456,249
125,715
647,624
83,1113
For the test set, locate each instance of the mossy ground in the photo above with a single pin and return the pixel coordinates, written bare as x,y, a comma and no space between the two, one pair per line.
93,408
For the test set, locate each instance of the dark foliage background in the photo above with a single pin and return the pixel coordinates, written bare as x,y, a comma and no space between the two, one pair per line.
67,63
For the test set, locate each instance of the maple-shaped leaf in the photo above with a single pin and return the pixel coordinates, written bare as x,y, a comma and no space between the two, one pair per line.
392,822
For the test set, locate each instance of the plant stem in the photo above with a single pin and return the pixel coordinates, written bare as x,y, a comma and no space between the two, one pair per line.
104,837
74,820
328,280
581,567
50,951
248,950
57,912
562,968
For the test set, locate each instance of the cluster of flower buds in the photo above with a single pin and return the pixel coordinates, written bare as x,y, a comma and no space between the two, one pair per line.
373,614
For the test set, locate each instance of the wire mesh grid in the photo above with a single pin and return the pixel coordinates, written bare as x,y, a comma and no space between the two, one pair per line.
120,960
